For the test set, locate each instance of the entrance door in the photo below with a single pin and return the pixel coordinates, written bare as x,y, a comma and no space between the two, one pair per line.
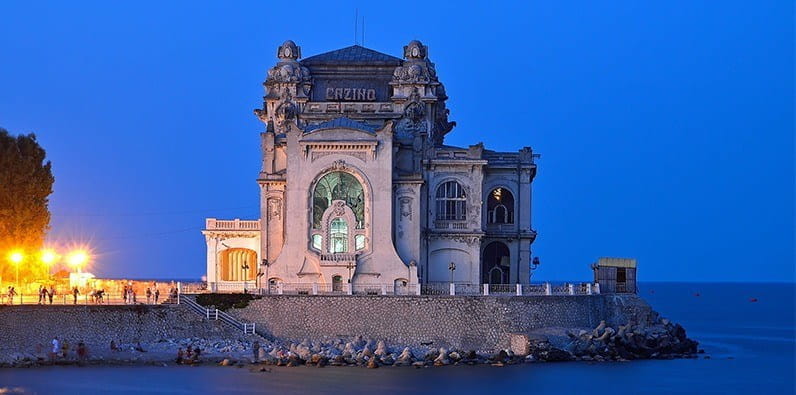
337,284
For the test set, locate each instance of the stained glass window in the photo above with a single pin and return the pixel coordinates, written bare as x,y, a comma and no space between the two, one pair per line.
338,186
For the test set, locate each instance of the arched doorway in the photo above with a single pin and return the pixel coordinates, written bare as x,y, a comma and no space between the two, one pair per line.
238,264
496,263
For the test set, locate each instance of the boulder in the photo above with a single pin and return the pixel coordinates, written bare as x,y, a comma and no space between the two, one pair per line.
381,348
442,358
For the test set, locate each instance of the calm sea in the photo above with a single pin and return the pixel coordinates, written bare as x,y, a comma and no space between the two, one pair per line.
750,344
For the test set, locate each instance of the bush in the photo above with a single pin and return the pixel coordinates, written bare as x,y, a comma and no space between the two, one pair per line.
224,302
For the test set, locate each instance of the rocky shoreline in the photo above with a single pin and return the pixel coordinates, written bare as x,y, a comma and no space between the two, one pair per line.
659,340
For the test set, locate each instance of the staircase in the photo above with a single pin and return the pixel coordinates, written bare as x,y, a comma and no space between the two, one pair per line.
218,315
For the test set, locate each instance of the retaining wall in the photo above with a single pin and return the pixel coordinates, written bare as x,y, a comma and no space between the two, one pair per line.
22,328
463,322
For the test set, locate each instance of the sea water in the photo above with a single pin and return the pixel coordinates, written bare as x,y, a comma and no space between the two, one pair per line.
746,330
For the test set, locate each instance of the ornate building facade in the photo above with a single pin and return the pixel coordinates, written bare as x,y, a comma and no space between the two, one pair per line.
357,185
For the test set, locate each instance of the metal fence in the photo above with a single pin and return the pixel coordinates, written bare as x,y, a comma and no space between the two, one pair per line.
428,289
66,300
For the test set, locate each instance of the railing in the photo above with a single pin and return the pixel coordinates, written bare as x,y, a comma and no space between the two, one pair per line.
429,289
218,315
468,289
69,300
339,257
232,224
442,224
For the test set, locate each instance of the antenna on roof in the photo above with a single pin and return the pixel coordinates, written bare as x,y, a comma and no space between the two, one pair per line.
356,19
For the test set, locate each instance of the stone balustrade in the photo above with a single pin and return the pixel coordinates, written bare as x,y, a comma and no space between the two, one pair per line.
232,224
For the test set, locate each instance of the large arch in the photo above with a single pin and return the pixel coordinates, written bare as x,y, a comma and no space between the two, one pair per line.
496,263
238,264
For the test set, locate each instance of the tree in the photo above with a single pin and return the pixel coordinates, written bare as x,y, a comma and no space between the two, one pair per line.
26,182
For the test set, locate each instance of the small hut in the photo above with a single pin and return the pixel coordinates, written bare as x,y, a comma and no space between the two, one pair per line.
615,275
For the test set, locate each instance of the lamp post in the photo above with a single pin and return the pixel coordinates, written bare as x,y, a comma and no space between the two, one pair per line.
452,268
16,257
245,267
534,265
349,265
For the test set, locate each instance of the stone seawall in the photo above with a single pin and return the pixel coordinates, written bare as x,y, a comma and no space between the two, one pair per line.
161,329
462,322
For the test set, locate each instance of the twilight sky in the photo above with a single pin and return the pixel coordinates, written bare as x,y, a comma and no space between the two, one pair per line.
666,128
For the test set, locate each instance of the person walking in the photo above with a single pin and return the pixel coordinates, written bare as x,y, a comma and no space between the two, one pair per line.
51,294
75,292
157,295
148,295
41,294
12,292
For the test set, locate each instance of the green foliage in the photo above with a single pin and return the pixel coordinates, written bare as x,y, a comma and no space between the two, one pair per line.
26,182
224,302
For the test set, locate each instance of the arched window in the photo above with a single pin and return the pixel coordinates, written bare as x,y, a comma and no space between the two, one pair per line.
338,185
451,202
338,236
500,206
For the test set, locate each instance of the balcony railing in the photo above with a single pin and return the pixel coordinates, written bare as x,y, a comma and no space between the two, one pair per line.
455,225
232,224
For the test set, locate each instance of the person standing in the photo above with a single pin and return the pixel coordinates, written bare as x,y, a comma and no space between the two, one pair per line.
256,351
41,294
55,349
157,295
75,292
51,293
148,295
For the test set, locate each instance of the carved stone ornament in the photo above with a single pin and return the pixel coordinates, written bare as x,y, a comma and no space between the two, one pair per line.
415,50
339,208
286,110
339,165
274,208
405,207
288,50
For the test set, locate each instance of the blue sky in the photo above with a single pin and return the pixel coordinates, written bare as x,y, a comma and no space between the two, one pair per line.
666,128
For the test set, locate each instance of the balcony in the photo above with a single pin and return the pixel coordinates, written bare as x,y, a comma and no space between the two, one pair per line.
232,224
339,259
452,225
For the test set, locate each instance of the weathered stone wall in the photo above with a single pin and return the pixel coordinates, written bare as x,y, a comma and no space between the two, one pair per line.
22,328
478,322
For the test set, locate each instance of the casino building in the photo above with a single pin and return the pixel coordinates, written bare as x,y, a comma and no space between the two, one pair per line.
358,186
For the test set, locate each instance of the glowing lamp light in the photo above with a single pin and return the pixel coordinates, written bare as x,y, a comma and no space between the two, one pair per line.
77,258
49,257
16,257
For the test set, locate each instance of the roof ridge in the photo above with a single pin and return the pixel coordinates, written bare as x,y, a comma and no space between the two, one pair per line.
352,53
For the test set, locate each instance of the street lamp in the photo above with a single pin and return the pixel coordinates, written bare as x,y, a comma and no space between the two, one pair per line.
77,259
48,257
245,267
534,265
452,268
16,257
349,265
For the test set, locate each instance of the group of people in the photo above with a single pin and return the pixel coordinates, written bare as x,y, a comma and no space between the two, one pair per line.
189,356
61,350
130,295
45,294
